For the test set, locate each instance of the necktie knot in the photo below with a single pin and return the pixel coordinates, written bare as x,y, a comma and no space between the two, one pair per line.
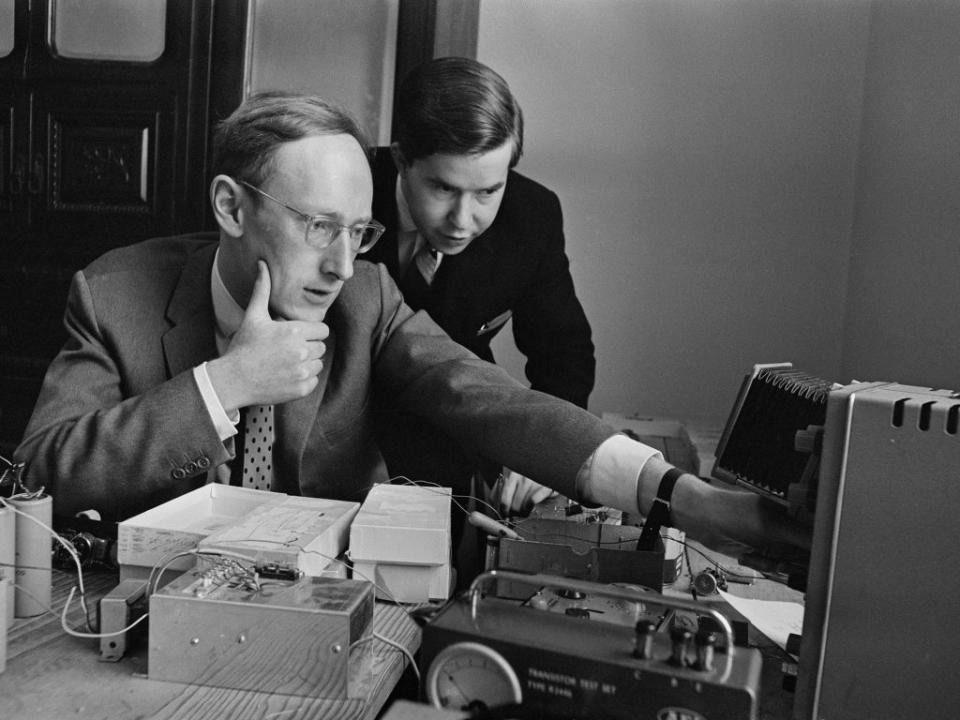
427,260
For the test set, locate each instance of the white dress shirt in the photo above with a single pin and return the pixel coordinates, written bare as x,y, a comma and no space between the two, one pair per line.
409,239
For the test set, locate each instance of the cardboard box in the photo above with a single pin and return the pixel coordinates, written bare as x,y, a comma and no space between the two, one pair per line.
292,532
401,540
149,540
401,583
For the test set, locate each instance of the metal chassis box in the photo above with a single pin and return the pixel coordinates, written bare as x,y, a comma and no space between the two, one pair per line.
288,637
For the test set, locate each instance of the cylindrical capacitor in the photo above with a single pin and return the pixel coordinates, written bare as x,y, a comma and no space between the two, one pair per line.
34,547
8,534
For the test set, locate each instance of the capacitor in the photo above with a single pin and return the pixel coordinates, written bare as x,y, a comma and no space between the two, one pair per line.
34,556
8,530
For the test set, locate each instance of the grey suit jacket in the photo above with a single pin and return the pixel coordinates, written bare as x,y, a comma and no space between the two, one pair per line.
120,424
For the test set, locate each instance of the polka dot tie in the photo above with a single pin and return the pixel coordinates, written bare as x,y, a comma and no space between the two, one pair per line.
258,448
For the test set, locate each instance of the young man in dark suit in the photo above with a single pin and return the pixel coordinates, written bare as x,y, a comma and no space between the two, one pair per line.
491,243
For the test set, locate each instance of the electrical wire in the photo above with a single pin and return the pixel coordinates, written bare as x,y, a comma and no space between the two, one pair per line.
71,551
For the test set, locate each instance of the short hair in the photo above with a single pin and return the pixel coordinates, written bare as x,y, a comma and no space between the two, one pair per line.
456,106
244,143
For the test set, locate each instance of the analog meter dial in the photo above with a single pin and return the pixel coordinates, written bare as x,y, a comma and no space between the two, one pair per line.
465,674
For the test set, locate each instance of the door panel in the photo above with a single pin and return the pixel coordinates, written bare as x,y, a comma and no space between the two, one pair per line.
94,154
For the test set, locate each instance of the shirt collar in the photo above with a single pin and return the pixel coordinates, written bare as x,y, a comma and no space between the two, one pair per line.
226,310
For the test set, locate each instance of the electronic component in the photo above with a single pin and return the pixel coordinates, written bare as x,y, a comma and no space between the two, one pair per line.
33,553
118,609
94,541
6,595
769,443
589,545
225,627
602,608
488,652
881,603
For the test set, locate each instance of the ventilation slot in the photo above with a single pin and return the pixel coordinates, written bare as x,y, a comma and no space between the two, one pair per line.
898,412
925,411
952,415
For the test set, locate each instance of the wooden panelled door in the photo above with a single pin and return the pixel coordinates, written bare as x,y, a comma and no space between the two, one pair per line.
104,121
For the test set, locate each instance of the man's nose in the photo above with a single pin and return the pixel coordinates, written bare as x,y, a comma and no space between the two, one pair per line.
461,212
338,256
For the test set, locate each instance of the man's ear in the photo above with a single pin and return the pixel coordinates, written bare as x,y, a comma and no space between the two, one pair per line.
398,159
225,200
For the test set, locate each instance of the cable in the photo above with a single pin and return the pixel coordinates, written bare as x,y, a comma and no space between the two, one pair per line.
67,629
428,485
401,648
71,551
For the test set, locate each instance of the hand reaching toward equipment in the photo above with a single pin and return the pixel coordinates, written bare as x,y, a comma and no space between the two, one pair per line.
268,361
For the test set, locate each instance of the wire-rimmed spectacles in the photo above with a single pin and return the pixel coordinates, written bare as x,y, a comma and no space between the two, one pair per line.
321,230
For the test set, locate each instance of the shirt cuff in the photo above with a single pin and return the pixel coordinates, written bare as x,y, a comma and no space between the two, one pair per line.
226,425
610,476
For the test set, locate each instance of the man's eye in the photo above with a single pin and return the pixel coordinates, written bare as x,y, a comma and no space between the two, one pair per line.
321,226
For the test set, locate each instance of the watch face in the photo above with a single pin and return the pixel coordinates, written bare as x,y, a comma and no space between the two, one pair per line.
705,583
470,675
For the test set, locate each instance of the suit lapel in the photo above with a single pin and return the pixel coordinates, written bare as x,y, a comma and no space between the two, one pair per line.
190,340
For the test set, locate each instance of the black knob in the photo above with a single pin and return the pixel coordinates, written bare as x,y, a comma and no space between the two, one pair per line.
706,645
644,639
680,637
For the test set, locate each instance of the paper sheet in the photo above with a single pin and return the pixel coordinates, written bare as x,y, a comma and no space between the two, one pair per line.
774,618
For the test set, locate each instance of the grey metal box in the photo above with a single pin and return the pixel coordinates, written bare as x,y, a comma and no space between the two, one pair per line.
289,637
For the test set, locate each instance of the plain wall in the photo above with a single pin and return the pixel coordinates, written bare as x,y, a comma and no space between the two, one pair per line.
903,315
340,49
705,154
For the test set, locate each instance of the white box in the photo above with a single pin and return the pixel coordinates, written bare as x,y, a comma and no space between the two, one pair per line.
406,583
296,532
401,540
149,540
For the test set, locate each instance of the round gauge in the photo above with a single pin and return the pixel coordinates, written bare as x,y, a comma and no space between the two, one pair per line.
466,674
706,582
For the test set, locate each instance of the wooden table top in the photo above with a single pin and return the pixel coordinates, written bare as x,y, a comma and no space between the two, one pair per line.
51,674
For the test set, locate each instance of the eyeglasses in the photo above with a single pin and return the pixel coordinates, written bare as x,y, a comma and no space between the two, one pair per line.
321,230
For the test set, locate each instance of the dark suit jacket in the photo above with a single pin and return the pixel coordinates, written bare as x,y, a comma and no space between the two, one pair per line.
120,424
519,267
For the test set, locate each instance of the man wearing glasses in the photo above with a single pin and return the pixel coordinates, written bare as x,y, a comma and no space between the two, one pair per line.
493,244
171,340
